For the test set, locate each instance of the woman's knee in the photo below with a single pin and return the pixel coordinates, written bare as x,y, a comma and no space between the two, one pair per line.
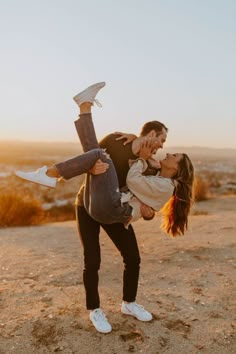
102,154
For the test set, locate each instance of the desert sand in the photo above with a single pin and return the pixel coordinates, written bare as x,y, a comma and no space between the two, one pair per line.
188,284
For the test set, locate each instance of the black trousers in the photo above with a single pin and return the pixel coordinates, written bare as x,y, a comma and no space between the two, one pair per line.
125,241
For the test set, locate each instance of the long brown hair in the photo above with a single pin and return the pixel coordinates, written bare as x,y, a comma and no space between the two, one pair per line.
175,212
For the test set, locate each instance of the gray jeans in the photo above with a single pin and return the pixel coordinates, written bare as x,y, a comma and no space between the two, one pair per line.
101,195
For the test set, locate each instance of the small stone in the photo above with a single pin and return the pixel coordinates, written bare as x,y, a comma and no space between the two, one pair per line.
58,349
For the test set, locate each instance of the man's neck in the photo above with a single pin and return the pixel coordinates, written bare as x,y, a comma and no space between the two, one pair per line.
136,146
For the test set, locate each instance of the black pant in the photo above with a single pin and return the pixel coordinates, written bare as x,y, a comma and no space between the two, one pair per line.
125,241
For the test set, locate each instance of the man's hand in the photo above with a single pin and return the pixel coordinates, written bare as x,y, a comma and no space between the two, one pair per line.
154,163
99,167
127,137
147,212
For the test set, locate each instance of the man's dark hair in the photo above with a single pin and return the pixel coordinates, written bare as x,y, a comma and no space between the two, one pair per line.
153,125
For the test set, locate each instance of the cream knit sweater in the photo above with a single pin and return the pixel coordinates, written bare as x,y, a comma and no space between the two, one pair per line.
153,191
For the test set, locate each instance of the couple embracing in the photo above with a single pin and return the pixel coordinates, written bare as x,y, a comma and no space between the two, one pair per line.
123,183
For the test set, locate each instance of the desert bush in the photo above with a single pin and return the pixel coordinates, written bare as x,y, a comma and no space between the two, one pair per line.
47,197
60,213
214,179
199,212
200,189
19,209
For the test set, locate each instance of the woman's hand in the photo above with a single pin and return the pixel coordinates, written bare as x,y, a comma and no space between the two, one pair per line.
147,212
146,148
127,137
99,167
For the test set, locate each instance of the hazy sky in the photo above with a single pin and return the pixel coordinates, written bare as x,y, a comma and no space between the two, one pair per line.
168,60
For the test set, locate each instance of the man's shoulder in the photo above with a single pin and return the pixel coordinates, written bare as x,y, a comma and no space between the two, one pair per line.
109,137
116,147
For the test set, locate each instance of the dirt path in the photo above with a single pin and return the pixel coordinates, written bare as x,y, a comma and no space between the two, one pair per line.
187,283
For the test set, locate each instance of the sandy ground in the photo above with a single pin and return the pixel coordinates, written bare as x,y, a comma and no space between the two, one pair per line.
187,283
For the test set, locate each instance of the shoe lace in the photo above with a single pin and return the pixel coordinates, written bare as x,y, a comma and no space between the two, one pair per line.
140,307
97,102
99,315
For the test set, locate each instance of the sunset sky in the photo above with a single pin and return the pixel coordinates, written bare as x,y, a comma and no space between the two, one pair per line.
167,60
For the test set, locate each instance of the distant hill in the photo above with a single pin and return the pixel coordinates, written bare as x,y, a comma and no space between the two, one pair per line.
12,152
203,152
17,151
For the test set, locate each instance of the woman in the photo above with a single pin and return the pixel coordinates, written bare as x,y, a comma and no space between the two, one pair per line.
169,191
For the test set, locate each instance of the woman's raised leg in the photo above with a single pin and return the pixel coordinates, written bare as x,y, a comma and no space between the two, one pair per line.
102,195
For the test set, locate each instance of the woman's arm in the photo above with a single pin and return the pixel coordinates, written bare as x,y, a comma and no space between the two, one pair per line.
128,138
153,191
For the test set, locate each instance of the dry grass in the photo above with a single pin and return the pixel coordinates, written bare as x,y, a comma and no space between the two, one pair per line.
199,212
60,213
19,210
23,203
200,189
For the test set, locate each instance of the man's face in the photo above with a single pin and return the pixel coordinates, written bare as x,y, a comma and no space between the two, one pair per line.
159,140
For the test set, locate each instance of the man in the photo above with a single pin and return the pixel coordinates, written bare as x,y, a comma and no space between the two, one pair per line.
123,238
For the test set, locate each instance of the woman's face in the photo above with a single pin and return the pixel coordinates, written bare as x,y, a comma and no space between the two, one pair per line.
171,161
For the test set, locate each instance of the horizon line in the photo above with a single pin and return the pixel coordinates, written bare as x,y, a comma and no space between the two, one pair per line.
75,142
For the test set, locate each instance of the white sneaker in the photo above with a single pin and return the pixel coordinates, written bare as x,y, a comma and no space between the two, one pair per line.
39,177
89,94
136,310
99,320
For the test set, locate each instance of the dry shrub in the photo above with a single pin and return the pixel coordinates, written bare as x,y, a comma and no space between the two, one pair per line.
200,189
19,210
60,213
199,212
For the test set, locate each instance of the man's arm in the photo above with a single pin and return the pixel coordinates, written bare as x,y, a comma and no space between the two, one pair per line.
98,168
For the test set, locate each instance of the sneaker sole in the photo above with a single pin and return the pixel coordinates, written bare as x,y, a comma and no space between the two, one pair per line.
138,318
80,96
30,180
101,331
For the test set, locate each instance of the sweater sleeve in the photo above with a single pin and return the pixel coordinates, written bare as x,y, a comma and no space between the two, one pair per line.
154,191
